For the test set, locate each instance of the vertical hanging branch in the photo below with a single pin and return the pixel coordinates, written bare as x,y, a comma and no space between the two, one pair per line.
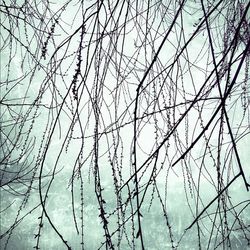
138,90
78,64
96,101
82,209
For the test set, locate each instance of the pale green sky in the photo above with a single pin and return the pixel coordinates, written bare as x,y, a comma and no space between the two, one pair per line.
46,133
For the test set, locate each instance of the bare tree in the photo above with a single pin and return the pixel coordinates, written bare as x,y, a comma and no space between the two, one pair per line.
124,124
